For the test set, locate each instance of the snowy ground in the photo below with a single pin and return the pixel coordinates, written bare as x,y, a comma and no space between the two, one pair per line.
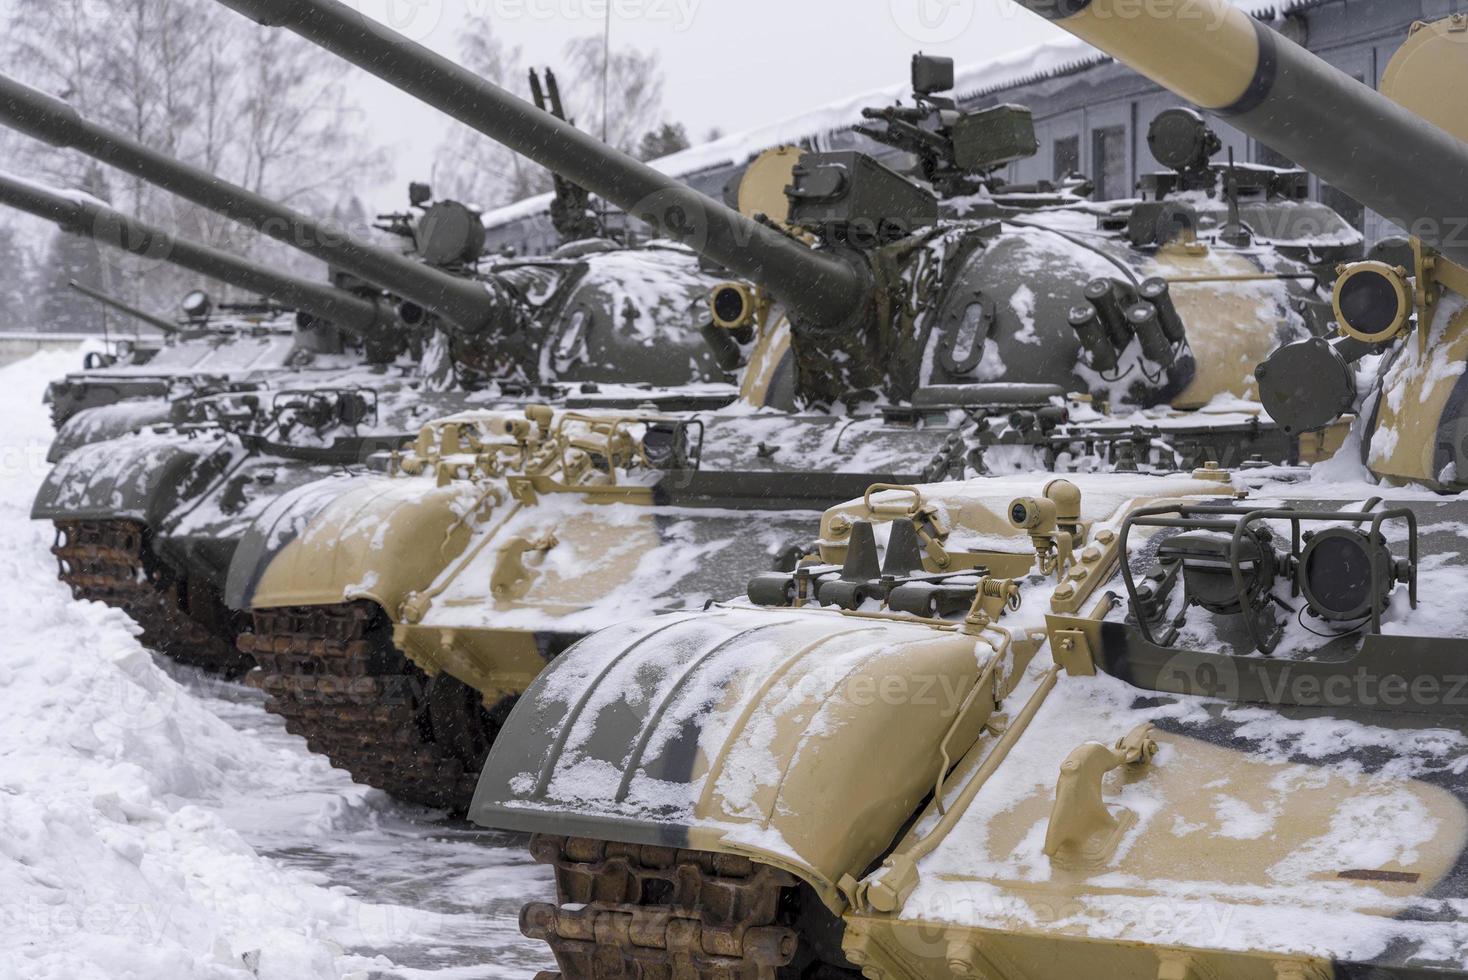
156,823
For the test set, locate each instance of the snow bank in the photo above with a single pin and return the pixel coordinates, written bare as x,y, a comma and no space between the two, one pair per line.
112,862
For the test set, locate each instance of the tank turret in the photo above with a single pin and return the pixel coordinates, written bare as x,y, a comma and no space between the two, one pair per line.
884,296
824,291
81,215
466,304
1221,59
839,303
1400,152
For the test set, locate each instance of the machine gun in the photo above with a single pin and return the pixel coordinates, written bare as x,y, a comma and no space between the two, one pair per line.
958,151
570,210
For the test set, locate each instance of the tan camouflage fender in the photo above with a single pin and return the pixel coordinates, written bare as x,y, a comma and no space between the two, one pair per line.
342,540
751,731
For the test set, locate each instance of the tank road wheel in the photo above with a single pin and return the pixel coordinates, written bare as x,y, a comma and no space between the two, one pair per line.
110,562
644,912
333,674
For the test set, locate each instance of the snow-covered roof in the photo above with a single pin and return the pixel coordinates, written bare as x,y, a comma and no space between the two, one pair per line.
1026,66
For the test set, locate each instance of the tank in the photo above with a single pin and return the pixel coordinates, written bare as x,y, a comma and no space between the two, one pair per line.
877,237
217,374
492,323
875,340
199,352
1198,725
233,345
575,325
1408,172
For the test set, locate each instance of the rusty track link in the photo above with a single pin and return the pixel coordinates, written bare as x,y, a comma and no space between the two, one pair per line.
644,912
333,674
109,562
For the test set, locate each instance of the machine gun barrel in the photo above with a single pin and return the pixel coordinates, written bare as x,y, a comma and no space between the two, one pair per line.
905,113
907,133
821,290
1351,136
36,114
112,303
81,215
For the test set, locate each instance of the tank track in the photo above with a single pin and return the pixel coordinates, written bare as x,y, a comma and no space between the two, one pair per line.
644,912
110,562
334,675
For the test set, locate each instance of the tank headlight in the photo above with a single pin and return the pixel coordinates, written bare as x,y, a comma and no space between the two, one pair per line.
1181,140
1306,386
1033,514
733,305
197,305
1336,570
1373,302
1207,562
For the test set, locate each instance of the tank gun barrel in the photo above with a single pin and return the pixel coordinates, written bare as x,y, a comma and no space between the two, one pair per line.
1351,136
80,215
112,303
820,289
36,114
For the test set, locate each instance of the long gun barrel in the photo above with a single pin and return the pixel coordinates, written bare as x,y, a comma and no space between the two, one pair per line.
461,301
112,303
820,290
1351,136
81,215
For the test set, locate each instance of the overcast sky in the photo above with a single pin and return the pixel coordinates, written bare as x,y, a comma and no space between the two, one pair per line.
733,64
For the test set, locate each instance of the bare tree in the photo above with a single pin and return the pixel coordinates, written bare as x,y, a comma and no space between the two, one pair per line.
256,107
634,91
471,167
17,278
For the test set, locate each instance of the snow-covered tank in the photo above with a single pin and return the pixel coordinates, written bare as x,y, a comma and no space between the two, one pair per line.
250,347
1189,726
151,494
877,338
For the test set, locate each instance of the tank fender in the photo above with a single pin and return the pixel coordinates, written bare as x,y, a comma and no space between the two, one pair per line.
106,422
366,537
804,739
142,478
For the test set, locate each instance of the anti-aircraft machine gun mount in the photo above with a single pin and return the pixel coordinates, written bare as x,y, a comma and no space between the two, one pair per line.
570,209
957,151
